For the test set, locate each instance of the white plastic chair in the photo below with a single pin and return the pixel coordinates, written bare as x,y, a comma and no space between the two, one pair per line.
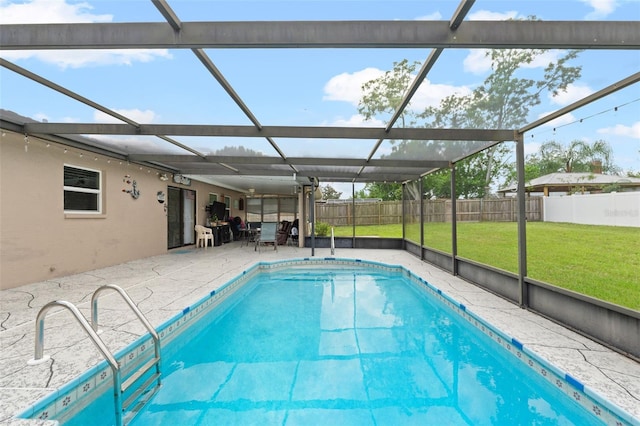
293,237
204,234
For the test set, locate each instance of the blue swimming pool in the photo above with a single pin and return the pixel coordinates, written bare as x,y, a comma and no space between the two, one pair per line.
348,344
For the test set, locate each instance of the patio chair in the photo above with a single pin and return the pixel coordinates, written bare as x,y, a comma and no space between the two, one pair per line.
268,235
203,234
283,232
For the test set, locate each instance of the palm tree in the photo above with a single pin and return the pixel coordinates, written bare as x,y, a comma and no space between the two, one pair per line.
578,156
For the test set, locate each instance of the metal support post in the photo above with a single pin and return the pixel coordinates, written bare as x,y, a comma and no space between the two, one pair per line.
353,214
454,222
522,223
420,192
312,219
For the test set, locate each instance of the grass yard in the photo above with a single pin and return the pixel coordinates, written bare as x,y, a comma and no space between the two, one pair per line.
600,261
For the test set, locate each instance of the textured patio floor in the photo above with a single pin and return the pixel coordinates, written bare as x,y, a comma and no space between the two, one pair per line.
162,286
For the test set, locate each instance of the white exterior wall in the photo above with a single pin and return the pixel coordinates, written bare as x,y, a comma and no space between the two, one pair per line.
613,209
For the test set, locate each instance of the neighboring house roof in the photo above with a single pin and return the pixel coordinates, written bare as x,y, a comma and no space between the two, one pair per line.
567,182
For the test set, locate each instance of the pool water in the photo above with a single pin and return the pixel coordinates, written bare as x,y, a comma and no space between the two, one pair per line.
349,347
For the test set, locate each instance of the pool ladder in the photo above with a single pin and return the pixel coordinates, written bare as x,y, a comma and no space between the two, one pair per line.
144,392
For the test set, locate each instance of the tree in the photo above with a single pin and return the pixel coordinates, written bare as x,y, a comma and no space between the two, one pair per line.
361,193
503,101
577,156
383,190
329,192
384,94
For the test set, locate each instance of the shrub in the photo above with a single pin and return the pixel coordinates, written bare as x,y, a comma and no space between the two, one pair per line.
322,229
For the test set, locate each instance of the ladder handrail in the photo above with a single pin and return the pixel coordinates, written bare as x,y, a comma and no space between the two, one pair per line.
83,322
134,308
143,320
39,344
333,243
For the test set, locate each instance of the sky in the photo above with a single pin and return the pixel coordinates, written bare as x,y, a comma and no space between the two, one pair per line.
305,87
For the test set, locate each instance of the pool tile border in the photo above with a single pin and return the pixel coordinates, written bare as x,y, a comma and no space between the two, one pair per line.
66,401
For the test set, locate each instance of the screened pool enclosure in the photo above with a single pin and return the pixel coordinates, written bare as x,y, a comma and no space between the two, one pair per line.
274,162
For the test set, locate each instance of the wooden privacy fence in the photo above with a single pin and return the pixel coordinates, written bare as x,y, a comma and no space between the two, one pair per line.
390,212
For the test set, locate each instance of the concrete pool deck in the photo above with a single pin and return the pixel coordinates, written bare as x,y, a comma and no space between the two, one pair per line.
162,286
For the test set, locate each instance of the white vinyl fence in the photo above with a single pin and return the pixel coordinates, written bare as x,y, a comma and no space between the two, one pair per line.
613,209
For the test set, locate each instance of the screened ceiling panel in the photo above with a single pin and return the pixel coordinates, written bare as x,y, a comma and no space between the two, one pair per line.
232,146
326,147
448,151
266,98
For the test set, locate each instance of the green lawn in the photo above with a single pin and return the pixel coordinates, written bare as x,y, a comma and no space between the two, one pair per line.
600,261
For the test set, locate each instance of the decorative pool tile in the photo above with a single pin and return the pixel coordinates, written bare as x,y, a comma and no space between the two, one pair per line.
563,381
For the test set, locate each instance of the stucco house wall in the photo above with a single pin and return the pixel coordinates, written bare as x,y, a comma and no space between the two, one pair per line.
38,241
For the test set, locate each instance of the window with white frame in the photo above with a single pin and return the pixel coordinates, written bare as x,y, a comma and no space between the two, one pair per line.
82,190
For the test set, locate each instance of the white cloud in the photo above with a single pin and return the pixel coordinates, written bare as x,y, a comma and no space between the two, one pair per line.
347,87
531,147
632,131
601,8
57,12
49,12
84,58
487,15
429,94
145,117
573,93
356,120
477,61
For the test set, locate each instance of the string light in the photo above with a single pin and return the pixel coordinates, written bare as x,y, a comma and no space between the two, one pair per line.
580,120
65,150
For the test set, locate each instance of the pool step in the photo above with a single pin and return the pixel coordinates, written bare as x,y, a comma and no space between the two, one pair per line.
143,391
141,371
139,398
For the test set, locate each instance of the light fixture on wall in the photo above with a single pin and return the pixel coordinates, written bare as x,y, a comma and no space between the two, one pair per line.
164,177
